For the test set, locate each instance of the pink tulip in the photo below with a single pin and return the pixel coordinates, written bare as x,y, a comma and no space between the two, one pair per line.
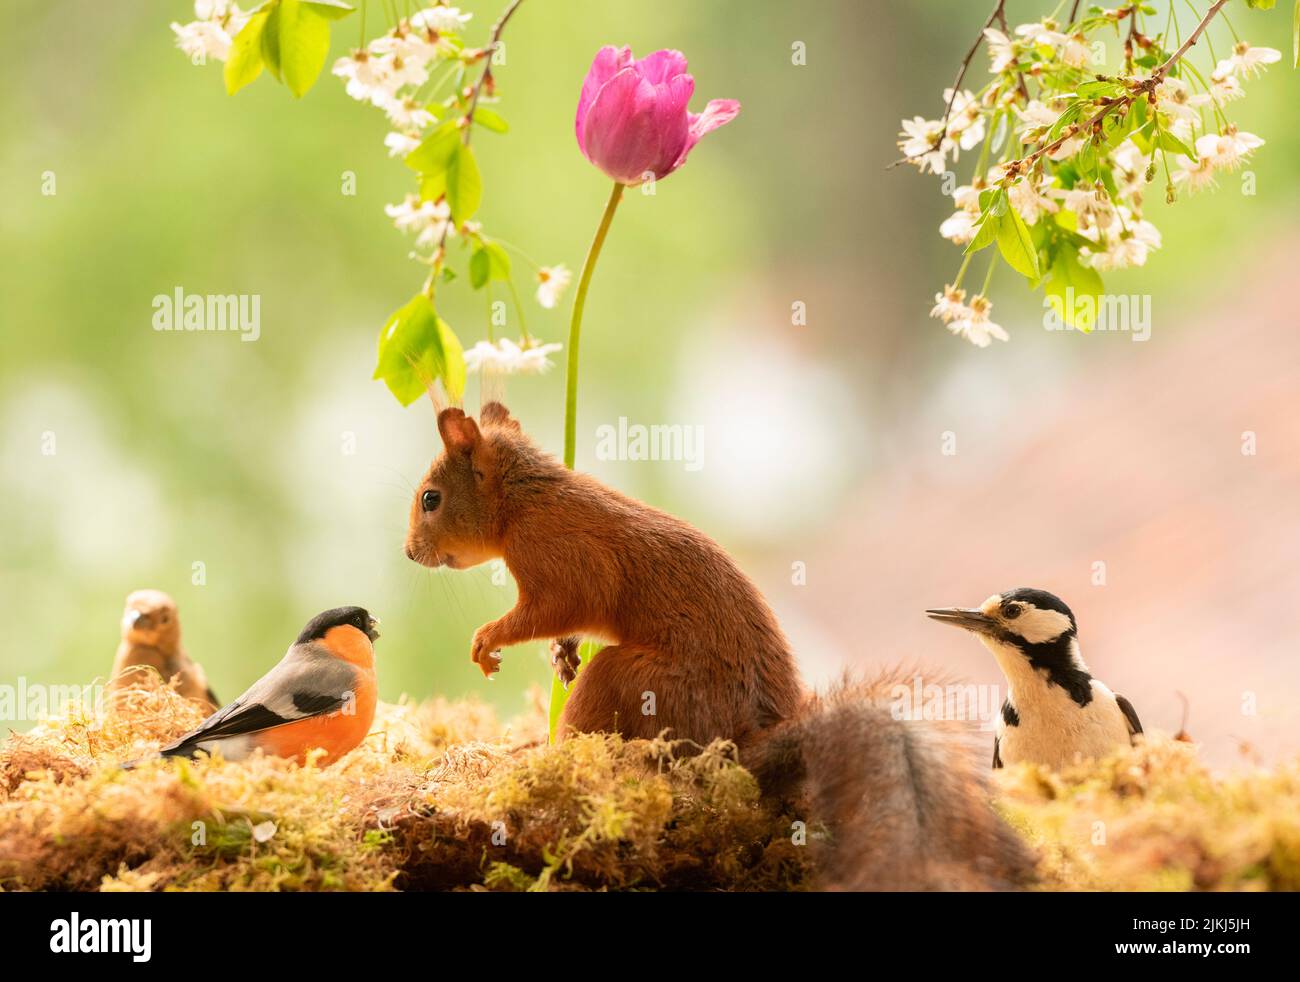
632,116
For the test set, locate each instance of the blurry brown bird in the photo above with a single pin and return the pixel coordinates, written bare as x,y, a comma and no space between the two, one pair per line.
151,638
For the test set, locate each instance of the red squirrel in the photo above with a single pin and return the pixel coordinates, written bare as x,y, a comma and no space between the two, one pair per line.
695,649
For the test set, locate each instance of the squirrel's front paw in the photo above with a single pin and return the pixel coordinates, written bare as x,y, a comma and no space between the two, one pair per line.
485,653
565,660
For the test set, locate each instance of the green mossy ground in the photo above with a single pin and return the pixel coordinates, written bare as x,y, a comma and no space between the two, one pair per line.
442,796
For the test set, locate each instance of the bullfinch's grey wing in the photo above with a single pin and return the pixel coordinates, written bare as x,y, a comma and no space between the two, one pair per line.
1130,714
307,682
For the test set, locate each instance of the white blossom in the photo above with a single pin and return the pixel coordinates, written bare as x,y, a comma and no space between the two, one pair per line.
923,144
507,358
1195,175
400,144
408,114
1028,199
1076,52
429,219
960,228
950,305
366,77
551,283
1249,61
444,20
1175,98
1129,241
1042,33
975,325
1001,53
1224,88
1228,150
203,39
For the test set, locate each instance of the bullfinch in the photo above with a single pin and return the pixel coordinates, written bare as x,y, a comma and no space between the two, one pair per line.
151,637
321,694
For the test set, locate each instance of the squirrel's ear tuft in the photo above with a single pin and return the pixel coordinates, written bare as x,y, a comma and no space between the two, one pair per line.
495,414
459,432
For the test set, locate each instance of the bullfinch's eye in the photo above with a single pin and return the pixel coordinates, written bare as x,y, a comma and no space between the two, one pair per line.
1011,611
430,500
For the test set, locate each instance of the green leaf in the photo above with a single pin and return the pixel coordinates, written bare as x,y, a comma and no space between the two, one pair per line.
434,152
986,233
480,269
489,120
1143,137
1016,246
1095,90
993,205
271,42
303,36
245,61
416,346
1260,4
330,9
1170,142
464,184
1068,274
1071,114
500,260
489,262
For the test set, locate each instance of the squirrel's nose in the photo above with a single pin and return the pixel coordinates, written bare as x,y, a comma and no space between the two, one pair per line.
410,553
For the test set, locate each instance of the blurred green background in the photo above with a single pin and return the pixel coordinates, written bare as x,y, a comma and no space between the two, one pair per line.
174,449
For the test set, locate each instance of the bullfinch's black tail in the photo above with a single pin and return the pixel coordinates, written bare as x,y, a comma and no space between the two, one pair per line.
906,802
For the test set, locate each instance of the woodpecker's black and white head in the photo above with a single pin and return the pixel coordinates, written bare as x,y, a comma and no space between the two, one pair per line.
1055,711
1027,629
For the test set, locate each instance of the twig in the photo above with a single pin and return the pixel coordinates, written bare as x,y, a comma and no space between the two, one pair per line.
1006,29
956,86
483,80
1163,70
488,52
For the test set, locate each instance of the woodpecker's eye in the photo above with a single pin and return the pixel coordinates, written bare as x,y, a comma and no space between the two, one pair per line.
430,500
1011,611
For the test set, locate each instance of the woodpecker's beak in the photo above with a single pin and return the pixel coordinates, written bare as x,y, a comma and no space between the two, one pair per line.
967,618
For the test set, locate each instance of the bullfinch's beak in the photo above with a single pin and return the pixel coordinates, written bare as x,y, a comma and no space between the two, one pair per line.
372,629
967,618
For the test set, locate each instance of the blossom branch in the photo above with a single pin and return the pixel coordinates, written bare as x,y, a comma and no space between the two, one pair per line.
956,86
1006,29
1138,88
484,79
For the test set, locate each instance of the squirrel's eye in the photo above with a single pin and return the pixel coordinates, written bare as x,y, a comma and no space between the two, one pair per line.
1011,611
430,500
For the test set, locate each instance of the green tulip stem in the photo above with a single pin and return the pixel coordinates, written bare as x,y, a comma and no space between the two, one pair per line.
575,327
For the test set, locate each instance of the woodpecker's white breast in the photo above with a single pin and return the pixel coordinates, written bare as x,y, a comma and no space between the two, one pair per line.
1055,730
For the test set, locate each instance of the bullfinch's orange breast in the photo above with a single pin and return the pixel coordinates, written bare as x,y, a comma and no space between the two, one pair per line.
338,732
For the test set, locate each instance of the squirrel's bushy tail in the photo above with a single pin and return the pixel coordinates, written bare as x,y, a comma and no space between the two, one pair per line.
906,802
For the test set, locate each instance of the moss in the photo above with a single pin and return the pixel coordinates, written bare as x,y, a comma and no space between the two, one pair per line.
1156,818
441,795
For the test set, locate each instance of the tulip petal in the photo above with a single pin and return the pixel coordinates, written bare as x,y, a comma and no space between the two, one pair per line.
717,113
609,61
660,66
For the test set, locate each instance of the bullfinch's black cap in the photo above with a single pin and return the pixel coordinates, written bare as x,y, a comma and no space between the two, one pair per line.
357,617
